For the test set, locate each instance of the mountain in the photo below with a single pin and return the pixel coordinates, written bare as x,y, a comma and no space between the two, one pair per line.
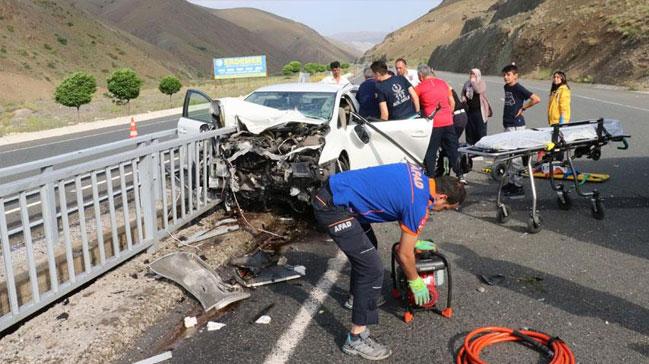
360,41
296,40
195,34
604,41
43,41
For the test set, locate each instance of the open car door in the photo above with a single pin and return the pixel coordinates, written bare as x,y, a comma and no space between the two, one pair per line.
412,135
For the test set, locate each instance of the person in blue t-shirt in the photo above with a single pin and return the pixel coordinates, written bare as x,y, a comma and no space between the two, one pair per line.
366,96
346,205
513,120
396,96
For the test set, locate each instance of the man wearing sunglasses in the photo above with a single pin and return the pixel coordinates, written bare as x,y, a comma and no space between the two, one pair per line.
349,202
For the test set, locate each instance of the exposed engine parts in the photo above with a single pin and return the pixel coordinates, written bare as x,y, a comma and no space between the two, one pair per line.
278,165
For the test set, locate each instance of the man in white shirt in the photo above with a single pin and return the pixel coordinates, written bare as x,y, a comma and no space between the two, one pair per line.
402,70
336,77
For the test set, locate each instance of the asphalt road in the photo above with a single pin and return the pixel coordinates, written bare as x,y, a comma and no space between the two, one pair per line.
582,279
12,154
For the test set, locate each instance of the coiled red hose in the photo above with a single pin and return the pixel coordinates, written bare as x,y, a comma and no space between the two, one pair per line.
480,338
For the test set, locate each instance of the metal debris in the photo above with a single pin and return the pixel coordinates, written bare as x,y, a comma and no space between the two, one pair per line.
197,278
213,326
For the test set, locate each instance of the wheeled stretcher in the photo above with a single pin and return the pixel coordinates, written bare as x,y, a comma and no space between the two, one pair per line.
574,140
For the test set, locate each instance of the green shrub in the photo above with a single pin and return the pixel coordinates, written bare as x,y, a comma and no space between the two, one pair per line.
169,85
344,66
124,85
76,90
10,28
61,39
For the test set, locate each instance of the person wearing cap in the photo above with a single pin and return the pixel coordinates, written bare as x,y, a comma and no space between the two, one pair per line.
345,207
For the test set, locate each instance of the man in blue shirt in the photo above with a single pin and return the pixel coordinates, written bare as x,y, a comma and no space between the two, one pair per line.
366,96
396,96
347,204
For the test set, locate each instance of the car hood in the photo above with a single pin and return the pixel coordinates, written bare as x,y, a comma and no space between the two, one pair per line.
257,118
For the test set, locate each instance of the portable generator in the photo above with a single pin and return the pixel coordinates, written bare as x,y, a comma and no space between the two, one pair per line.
432,267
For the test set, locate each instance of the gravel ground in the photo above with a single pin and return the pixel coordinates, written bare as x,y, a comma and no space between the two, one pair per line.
97,322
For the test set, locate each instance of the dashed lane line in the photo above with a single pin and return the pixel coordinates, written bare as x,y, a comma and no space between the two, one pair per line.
292,337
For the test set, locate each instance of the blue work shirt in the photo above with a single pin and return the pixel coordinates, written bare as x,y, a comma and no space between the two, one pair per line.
366,96
392,192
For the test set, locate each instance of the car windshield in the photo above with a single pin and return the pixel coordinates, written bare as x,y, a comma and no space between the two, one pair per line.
317,105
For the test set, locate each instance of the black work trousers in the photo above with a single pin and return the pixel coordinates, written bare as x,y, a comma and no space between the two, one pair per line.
358,242
446,138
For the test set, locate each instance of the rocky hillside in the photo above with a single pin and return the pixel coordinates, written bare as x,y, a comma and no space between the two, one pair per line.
297,41
603,41
43,41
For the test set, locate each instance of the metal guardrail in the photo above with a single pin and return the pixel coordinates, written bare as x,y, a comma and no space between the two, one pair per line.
77,245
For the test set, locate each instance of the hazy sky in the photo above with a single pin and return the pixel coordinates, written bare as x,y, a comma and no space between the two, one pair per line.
335,16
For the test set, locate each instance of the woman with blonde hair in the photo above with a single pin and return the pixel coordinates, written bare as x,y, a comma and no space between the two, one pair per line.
559,105
474,94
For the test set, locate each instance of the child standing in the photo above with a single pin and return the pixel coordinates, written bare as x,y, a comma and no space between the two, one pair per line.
513,120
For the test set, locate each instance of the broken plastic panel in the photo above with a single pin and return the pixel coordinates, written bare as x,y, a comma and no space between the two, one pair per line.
197,278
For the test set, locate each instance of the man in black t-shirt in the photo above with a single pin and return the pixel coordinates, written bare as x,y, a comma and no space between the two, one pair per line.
396,96
513,120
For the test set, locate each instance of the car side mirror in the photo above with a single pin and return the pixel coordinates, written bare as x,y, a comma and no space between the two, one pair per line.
361,134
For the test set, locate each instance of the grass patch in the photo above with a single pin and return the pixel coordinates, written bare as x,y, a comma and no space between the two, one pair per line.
62,40
10,28
47,46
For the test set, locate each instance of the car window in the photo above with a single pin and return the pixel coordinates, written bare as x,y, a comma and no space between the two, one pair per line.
318,105
198,108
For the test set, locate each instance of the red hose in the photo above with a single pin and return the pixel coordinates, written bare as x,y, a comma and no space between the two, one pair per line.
480,338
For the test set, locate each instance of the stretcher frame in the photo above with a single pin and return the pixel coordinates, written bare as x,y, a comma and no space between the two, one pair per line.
591,148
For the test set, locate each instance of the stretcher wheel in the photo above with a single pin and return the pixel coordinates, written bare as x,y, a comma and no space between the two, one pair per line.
598,209
534,224
408,317
498,171
565,203
503,214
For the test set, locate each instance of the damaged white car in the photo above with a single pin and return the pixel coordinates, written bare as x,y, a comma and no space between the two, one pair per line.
291,136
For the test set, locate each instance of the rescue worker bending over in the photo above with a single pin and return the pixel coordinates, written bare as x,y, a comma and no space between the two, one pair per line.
346,205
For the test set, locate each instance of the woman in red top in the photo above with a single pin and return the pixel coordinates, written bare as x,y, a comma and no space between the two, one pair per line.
432,92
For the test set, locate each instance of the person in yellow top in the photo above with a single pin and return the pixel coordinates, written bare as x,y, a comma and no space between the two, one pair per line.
559,105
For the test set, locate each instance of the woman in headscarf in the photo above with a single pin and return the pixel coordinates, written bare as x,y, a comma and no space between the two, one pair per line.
559,105
474,93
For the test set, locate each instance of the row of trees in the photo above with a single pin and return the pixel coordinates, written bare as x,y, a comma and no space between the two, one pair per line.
295,67
123,86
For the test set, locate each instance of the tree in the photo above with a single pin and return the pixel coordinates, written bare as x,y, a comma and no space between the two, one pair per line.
287,71
124,86
169,85
344,66
76,90
295,66
322,67
311,68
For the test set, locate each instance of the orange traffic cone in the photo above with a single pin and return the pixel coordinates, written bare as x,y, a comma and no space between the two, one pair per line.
133,129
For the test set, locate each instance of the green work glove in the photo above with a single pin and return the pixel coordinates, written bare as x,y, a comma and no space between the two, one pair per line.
425,245
419,290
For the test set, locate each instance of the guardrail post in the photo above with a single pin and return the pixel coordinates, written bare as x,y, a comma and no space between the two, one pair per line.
147,193
50,227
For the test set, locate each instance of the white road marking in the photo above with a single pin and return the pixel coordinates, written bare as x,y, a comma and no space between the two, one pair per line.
62,141
292,337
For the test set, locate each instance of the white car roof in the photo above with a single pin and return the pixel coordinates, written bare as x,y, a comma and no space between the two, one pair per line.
300,87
